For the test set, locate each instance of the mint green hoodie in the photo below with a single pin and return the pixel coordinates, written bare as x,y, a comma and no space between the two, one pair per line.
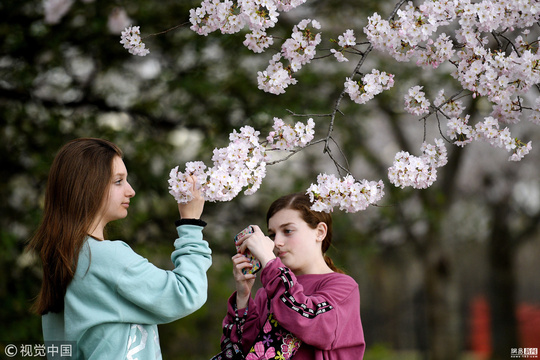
117,298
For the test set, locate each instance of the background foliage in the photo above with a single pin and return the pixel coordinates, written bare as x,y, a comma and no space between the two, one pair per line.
422,258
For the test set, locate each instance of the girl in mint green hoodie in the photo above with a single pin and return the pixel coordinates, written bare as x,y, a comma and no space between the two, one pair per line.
99,294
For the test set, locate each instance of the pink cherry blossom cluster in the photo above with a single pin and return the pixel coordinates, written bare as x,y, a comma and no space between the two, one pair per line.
501,79
346,40
275,79
416,102
489,131
257,41
131,39
499,76
241,165
534,117
458,129
520,150
449,107
418,172
370,85
259,15
298,50
347,194
436,52
408,36
285,137
229,17
232,16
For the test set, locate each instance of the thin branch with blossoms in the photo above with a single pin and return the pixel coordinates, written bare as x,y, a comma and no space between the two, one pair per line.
345,168
436,110
326,141
292,113
133,42
356,70
294,152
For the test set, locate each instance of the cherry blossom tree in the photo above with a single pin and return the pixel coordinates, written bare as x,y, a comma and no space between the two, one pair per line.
492,48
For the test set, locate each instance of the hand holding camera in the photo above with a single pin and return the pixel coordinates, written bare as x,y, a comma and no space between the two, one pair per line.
255,264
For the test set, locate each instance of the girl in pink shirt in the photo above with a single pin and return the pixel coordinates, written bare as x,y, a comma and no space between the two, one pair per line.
307,294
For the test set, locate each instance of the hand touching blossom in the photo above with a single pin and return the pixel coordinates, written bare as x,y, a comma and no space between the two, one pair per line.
242,164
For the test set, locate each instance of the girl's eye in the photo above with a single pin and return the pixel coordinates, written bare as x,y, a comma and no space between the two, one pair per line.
272,236
288,231
118,182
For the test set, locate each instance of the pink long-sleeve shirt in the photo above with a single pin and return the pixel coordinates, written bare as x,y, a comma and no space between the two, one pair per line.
323,311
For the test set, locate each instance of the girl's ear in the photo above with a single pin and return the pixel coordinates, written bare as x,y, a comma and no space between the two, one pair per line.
322,229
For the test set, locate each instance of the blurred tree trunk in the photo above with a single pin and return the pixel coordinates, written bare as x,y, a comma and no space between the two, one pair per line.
440,287
502,283
504,241
442,301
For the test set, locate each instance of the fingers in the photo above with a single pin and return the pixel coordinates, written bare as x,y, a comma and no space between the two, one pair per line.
238,258
241,262
194,190
194,208
242,242
244,282
260,245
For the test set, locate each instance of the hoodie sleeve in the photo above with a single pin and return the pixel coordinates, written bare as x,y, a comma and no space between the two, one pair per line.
244,321
154,295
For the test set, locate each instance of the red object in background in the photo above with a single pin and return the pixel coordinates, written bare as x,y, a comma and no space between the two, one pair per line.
480,329
528,318
529,325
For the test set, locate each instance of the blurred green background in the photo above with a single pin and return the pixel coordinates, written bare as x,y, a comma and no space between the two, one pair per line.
450,272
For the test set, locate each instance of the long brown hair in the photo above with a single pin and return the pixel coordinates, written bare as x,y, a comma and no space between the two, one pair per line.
301,203
78,179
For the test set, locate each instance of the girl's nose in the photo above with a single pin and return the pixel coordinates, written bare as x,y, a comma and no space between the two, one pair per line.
278,241
130,192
